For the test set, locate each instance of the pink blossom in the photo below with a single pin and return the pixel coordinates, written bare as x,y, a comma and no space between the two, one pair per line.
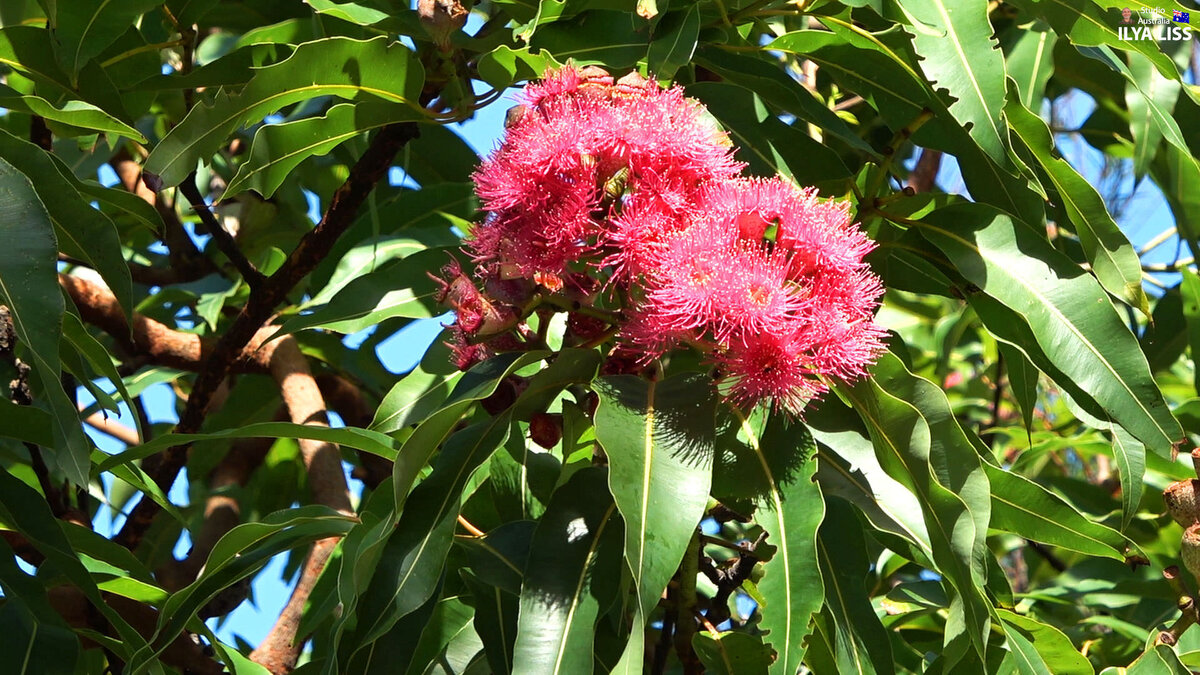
626,193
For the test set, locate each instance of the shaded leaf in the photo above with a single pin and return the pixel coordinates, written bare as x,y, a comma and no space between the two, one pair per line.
790,509
572,572
861,644
659,440
83,28
673,42
732,653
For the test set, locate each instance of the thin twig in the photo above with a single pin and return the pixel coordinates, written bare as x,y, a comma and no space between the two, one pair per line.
475,531
220,235
110,427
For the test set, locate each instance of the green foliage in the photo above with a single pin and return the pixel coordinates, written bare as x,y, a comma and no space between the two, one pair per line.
987,500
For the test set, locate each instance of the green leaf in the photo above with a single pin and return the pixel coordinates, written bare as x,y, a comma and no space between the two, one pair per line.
1166,335
29,287
861,644
1029,60
776,87
367,256
476,384
1131,463
732,653
373,442
82,231
83,28
238,554
615,39
1113,259
767,144
1022,381
74,113
1157,660
28,278
1072,319
1029,510
789,509
1177,174
451,619
25,510
1161,116
1148,94
279,148
673,42
659,440
415,552
499,557
912,450
848,468
400,288
874,66
351,69
505,66
1088,25
414,398
394,653
495,622
573,571
1054,651
97,356
1189,289
959,54
25,423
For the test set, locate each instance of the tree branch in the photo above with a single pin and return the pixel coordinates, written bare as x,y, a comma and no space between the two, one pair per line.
924,174
145,336
187,262
220,235
280,650
110,427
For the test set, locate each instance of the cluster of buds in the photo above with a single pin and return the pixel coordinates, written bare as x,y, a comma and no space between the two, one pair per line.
622,203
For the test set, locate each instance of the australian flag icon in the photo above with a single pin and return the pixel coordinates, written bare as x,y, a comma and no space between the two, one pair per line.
1181,17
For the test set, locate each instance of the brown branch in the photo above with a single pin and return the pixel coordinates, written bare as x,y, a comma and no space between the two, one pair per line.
344,397
315,245
222,512
187,262
145,336
280,650
924,174
220,235
110,427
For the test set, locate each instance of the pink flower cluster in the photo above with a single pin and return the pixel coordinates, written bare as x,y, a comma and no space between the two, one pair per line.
635,187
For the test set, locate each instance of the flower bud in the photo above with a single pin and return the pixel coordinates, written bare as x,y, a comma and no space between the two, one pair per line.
545,429
1180,498
1189,550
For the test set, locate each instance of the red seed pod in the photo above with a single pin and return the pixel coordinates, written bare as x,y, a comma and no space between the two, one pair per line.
545,429
585,327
